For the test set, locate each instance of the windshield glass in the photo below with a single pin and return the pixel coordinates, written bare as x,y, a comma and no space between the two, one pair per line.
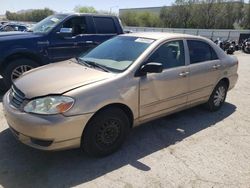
118,53
47,24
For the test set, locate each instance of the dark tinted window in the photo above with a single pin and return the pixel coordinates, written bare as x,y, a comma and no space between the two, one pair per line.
200,51
9,28
77,24
21,28
170,54
104,25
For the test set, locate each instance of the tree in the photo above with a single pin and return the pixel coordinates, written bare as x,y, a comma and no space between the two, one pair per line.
141,19
32,16
246,18
130,19
178,15
85,9
204,14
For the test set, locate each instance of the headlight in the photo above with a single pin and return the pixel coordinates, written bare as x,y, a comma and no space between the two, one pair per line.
49,105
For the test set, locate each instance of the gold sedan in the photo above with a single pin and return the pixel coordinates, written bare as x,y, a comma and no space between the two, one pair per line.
92,101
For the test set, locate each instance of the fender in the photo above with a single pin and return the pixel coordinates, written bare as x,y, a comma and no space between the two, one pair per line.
21,52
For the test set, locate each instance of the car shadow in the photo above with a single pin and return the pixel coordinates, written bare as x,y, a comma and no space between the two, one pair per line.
27,167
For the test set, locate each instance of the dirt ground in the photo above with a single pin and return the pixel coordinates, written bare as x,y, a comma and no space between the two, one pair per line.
193,148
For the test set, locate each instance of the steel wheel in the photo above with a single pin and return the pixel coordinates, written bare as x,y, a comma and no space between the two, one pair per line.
18,71
108,133
105,132
219,96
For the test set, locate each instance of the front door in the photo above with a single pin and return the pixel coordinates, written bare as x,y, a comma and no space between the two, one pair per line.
61,48
163,92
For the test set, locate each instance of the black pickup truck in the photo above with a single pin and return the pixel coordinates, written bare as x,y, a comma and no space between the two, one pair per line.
56,38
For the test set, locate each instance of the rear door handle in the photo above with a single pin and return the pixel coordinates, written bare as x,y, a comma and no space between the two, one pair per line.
184,74
216,66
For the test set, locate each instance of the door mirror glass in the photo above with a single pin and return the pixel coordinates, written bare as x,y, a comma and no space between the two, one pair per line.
66,32
151,67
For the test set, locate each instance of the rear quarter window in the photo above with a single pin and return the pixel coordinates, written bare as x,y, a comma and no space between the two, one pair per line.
104,25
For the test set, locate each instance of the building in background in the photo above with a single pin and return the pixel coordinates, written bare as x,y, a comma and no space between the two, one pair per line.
155,10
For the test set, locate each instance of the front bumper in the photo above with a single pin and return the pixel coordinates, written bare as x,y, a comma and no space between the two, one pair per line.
54,132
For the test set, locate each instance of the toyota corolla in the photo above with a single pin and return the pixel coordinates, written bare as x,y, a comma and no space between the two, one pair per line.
93,101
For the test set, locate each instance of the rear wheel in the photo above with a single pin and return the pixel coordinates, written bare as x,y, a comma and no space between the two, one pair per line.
218,97
16,68
105,132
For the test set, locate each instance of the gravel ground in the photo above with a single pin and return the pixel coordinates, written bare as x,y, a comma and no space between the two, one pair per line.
193,148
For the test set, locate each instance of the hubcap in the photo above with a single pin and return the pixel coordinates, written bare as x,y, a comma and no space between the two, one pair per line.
17,72
108,133
219,96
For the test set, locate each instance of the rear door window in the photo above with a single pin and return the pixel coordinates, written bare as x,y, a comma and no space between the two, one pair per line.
200,51
104,25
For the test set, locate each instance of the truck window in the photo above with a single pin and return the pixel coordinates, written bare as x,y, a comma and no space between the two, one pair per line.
104,25
78,25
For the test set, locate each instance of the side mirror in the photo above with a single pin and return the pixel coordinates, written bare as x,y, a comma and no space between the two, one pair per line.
150,68
65,32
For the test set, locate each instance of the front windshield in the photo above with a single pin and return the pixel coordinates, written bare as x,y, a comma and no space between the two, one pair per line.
47,24
118,53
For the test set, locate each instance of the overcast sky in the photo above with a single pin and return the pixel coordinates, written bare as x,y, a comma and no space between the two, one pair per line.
68,5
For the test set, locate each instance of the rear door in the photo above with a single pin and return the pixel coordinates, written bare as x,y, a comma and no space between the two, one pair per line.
204,70
105,28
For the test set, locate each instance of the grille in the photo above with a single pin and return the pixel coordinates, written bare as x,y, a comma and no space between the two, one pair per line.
16,97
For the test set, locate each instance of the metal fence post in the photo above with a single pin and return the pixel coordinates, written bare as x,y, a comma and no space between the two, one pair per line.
229,33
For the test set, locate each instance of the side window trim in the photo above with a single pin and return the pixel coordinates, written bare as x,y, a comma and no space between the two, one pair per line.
186,51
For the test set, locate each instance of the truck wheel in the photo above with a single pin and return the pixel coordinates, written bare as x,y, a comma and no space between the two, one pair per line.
218,97
16,68
105,132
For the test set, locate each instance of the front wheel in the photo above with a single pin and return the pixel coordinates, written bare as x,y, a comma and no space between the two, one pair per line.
105,132
217,97
16,68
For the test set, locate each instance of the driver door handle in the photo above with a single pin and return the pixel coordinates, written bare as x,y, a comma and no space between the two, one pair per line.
89,42
184,74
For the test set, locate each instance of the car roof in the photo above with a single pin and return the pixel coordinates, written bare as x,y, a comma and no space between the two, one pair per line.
161,35
85,14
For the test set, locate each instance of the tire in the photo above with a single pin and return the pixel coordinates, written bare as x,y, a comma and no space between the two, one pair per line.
106,132
218,97
18,65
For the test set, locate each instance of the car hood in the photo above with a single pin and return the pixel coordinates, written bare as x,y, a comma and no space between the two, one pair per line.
58,78
15,35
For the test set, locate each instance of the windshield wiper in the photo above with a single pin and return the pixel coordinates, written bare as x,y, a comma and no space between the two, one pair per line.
93,64
79,60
